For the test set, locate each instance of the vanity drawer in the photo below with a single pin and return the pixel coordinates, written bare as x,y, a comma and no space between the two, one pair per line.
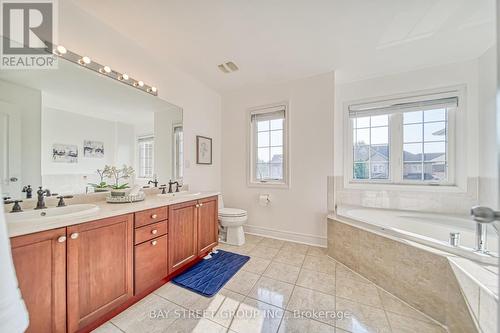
150,216
150,263
150,231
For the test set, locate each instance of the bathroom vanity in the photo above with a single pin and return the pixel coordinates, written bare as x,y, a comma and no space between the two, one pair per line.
79,274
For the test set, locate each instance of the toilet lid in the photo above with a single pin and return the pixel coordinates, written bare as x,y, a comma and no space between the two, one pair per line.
232,212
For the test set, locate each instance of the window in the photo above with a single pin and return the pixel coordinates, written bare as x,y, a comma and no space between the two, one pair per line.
178,152
371,147
406,141
146,156
268,127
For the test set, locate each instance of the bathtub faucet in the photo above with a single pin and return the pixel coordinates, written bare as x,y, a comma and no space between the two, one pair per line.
483,216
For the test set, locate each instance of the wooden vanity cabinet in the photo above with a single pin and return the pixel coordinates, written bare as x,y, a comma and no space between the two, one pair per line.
192,230
40,262
208,224
99,268
182,232
72,278
150,250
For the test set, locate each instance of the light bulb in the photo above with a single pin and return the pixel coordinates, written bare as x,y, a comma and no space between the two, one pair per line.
85,61
105,69
123,77
153,89
140,84
61,50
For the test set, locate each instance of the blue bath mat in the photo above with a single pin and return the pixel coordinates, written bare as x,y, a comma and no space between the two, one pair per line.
208,276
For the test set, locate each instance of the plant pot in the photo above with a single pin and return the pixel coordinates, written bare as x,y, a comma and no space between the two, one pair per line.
101,189
119,193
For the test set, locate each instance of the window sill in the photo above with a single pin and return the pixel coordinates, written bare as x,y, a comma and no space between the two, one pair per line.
446,188
268,185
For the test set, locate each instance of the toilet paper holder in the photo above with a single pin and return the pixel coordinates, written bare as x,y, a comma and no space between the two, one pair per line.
264,200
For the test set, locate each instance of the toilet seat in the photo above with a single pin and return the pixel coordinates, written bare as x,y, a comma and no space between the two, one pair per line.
232,212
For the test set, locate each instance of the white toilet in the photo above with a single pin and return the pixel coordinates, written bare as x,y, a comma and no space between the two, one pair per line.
231,221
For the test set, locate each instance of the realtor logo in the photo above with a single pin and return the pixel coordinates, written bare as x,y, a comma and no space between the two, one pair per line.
27,34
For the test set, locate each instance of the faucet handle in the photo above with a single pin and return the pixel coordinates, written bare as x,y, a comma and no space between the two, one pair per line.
61,198
163,188
16,208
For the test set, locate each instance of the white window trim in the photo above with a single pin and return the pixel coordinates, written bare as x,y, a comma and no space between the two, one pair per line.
457,174
174,150
251,142
138,155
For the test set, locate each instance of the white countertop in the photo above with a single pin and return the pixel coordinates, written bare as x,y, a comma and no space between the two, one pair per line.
105,210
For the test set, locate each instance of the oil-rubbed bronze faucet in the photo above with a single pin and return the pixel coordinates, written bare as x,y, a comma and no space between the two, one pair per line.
16,208
170,183
40,204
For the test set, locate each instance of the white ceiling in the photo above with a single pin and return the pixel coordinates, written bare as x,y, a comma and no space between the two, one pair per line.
279,40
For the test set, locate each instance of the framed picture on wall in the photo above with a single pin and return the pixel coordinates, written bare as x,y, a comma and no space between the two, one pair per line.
203,150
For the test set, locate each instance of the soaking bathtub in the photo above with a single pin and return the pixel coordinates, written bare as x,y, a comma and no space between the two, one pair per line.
425,228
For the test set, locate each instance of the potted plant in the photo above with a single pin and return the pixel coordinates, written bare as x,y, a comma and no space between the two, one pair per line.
117,189
102,186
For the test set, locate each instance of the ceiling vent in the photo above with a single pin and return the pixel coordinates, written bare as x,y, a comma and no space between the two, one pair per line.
228,67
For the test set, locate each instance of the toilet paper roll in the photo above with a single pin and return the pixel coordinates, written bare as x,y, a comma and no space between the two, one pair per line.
264,200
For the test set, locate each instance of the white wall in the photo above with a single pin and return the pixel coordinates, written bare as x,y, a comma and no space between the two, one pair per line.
488,161
297,213
84,34
58,126
433,199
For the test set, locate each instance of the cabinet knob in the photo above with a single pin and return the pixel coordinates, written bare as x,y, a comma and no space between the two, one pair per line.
61,239
154,231
74,235
154,243
154,216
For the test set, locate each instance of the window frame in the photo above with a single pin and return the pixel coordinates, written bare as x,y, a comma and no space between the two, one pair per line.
456,117
252,147
138,143
177,153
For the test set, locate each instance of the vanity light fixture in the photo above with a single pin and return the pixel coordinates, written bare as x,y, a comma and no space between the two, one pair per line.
60,50
139,84
105,70
84,61
87,63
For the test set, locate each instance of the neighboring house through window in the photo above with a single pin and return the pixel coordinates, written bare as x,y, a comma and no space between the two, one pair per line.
405,140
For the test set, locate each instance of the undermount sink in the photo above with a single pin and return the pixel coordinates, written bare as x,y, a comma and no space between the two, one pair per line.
181,194
52,214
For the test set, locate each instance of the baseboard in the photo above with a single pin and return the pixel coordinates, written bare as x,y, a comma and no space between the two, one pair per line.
286,235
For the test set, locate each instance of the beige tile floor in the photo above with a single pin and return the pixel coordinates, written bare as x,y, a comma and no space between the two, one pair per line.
284,287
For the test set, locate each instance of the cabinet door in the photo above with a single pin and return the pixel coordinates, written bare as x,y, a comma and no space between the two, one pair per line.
182,234
150,263
40,262
208,225
100,270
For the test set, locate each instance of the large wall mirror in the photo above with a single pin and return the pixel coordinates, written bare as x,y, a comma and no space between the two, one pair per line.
59,126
